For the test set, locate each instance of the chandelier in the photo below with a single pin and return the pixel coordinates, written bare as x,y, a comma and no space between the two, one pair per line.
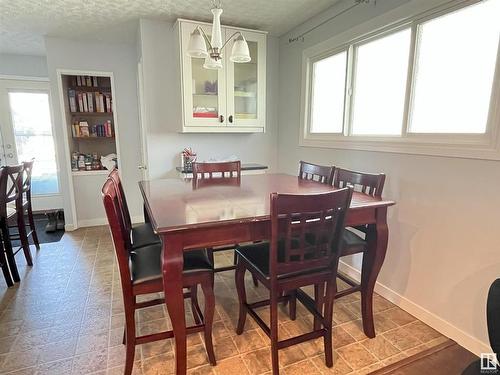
199,41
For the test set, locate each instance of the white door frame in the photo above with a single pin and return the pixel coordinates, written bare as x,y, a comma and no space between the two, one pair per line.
28,84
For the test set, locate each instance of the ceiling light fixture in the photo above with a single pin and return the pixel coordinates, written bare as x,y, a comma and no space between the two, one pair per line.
198,42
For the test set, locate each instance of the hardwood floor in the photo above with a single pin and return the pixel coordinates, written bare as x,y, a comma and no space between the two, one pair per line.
448,358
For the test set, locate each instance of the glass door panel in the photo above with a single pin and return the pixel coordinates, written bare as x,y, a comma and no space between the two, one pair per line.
247,82
245,86
203,89
30,114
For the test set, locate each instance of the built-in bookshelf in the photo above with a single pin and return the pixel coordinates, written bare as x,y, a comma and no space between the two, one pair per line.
90,121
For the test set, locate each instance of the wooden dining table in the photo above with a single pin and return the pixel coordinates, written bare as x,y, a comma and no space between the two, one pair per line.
188,215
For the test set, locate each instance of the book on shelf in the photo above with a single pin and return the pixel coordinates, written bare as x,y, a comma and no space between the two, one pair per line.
101,102
108,102
94,81
84,129
80,102
78,80
85,103
90,102
88,81
72,100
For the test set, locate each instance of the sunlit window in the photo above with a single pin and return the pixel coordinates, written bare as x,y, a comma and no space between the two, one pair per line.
418,84
33,136
454,70
380,83
328,93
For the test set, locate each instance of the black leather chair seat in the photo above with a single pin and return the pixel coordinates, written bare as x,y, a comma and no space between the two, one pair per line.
145,263
143,235
352,243
257,255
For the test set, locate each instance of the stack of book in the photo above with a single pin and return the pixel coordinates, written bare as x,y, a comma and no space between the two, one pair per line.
83,130
89,101
88,81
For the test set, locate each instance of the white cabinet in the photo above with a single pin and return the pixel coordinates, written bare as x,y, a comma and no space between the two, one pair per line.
227,100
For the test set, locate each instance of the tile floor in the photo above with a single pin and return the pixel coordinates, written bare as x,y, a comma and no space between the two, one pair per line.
66,316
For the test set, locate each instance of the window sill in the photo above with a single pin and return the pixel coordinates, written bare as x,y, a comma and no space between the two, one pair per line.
435,147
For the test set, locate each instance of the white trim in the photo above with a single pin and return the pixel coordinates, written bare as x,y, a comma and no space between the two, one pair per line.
69,172
100,221
90,173
24,78
474,146
446,328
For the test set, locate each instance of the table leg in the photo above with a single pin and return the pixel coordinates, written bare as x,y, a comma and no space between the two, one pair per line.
173,264
373,259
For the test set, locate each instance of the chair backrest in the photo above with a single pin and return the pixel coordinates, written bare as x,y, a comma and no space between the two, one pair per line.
11,186
320,173
367,183
229,169
121,239
28,170
306,231
122,200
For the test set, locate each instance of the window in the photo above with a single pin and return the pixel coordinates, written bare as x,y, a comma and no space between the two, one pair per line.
33,136
328,94
426,82
380,85
454,70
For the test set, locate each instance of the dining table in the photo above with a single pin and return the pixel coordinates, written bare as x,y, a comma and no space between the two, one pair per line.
188,215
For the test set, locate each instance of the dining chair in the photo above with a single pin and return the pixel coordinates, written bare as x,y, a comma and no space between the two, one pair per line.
289,262
12,211
26,201
227,169
3,264
315,172
140,234
141,273
353,243
218,171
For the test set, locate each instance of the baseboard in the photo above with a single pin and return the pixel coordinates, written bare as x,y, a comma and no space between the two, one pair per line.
92,222
98,221
449,330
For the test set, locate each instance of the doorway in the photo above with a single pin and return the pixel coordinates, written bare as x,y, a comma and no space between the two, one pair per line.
26,132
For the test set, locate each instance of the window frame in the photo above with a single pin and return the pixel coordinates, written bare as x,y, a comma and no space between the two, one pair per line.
466,145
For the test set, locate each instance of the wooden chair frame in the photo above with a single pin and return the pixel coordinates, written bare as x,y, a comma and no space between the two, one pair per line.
230,172
320,173
368,183
203,321
12,186
294,262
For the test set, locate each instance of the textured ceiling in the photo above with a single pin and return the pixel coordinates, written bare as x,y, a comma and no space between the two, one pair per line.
23,23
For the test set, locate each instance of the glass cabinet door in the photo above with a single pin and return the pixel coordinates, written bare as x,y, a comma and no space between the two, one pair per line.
204,89
247,83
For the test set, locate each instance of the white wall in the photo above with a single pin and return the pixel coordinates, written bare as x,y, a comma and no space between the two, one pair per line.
23,66
120,59
443,242
162,100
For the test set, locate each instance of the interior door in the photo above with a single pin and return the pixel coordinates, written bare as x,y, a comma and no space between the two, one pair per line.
27,132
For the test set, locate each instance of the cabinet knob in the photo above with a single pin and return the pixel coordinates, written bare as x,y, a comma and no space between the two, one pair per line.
231,119
221,118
